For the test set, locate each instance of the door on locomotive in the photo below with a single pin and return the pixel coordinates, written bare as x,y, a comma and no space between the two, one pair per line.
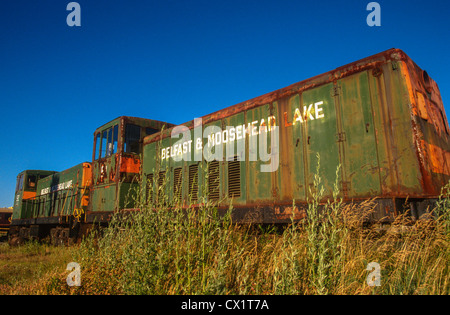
116,164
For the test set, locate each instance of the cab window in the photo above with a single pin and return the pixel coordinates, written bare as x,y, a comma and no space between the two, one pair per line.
109,148
132,138
104,143
31,182
97,147
115,138
108,143
150,131
19,184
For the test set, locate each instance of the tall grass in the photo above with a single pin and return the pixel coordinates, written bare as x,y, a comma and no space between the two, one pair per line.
170,250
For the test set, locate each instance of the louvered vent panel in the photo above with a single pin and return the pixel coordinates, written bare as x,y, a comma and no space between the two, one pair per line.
177,181
193,182
234,178
213,180
149,189
161,185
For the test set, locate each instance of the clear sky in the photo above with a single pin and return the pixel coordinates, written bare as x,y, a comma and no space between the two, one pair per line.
174,60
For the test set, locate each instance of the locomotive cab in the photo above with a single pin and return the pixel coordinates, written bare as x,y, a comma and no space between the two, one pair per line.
26,191
116,164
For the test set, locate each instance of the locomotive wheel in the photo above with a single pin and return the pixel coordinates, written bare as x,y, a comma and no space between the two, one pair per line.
60,236
15,241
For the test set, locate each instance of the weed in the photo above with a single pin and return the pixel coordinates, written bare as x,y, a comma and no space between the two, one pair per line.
167,249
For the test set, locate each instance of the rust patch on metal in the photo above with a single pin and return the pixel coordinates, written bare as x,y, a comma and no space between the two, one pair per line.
130,165
289,212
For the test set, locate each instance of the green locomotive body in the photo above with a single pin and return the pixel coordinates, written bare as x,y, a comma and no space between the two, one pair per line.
379,120
378,126
58,203
64,205
26,187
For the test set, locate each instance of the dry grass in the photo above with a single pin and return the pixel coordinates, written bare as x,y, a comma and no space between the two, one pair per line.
176,252
23,268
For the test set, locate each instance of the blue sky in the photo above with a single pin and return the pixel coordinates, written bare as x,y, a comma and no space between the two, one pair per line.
174,60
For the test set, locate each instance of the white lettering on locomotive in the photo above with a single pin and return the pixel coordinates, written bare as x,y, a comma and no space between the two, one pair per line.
216,136
60,186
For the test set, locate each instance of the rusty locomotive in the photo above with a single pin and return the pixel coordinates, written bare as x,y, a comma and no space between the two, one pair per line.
5,221
379,121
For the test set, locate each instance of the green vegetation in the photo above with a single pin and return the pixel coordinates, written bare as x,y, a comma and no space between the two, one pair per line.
175,251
